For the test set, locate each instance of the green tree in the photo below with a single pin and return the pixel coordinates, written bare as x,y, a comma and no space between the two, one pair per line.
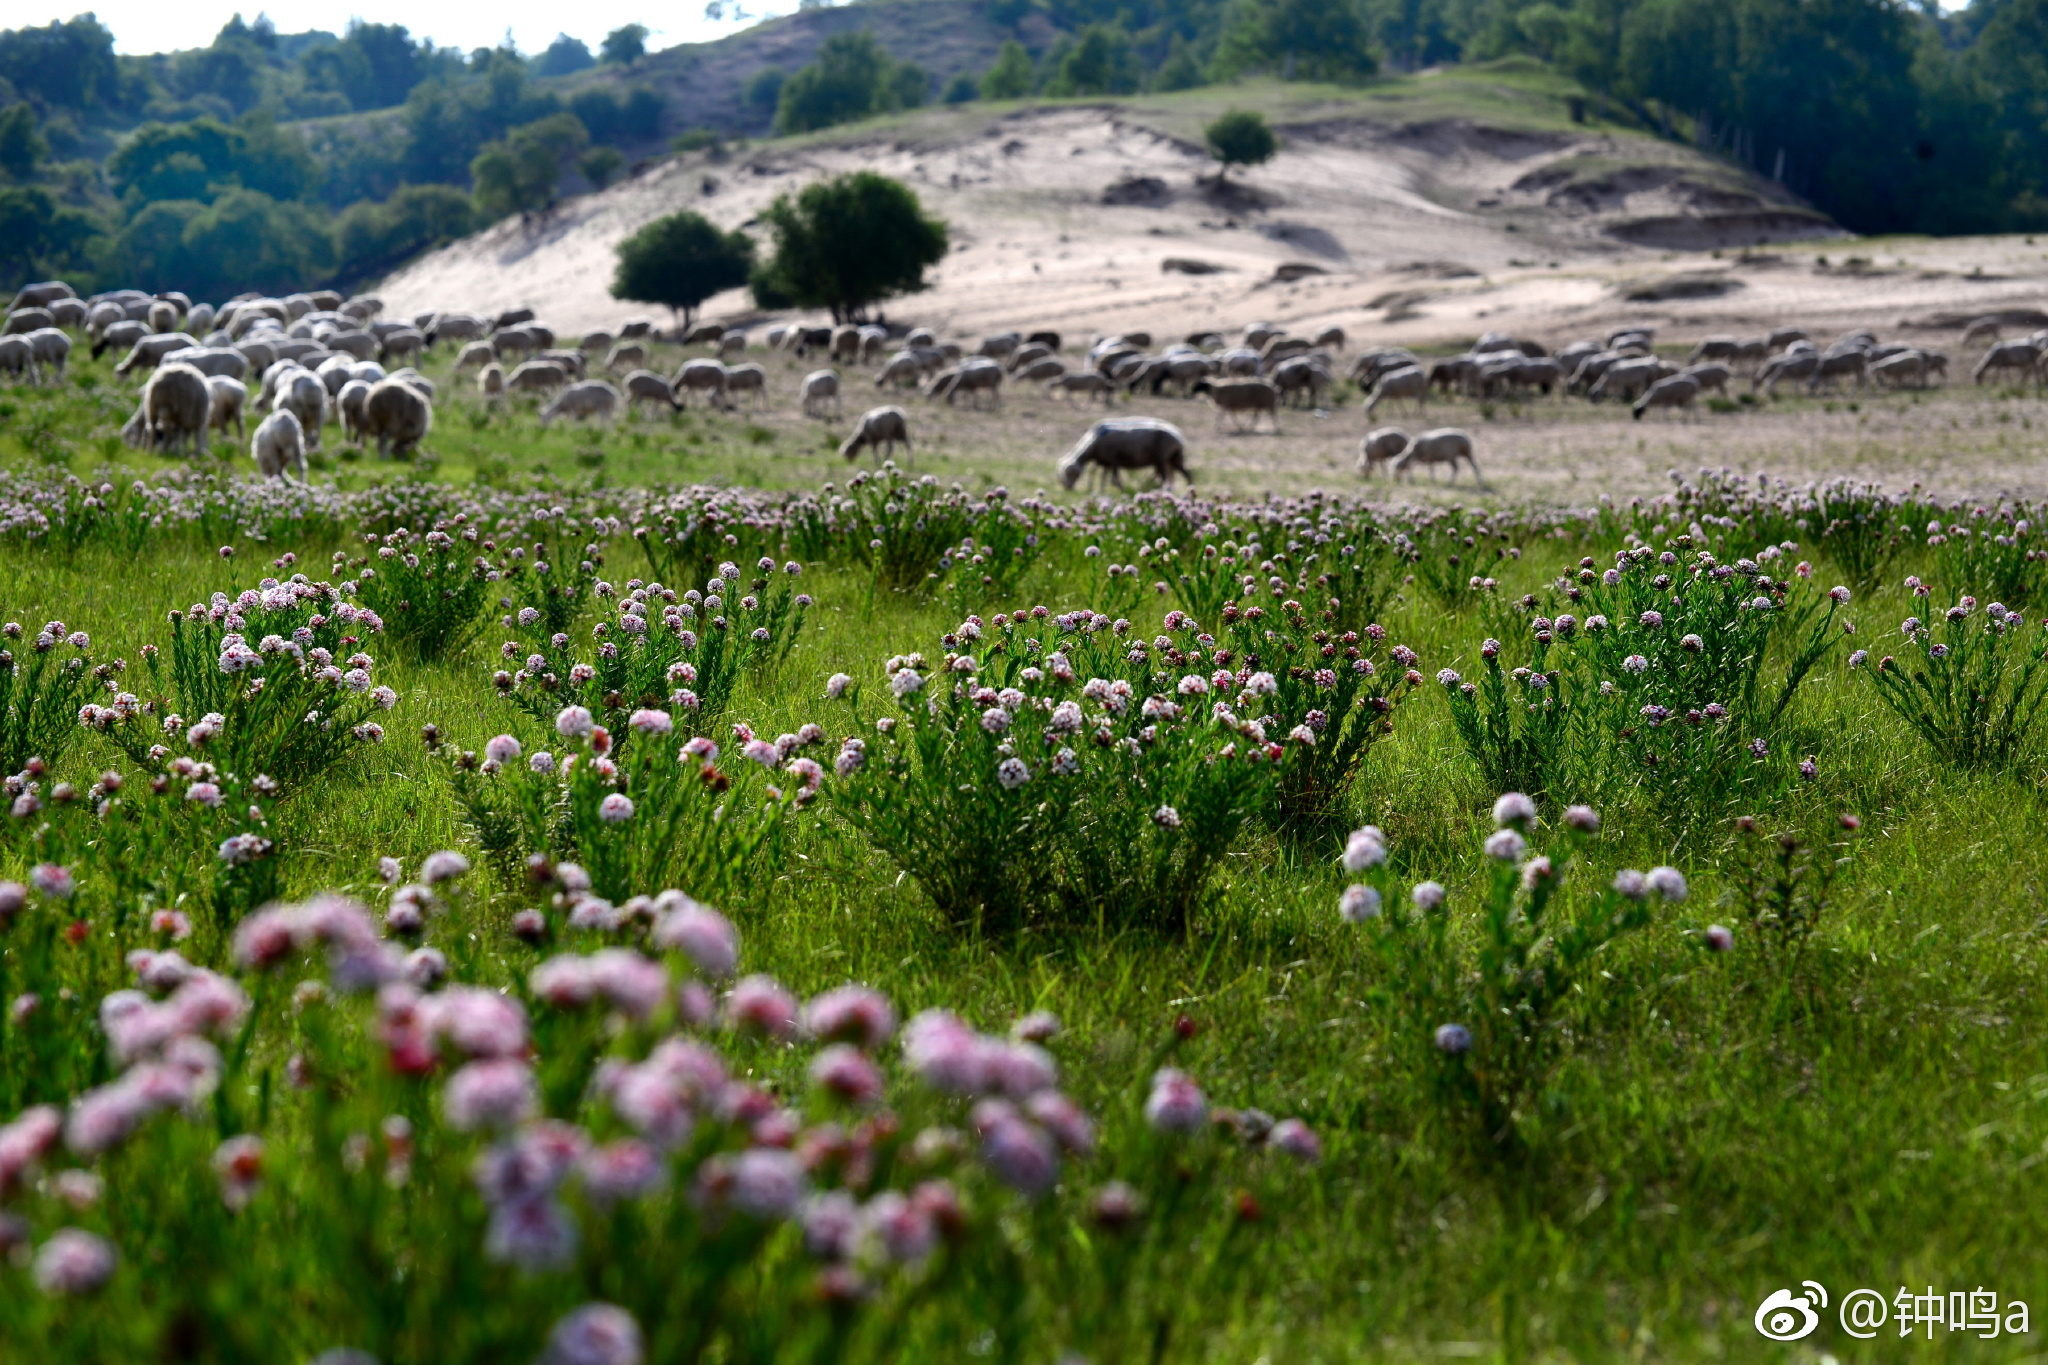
38,236
1323,40
521,172
962,89
1241,137
1101,62
564,57
680,261
371,237
1010,76
763,89
850,242
625,45
1181,71
21,142
601,165
849,79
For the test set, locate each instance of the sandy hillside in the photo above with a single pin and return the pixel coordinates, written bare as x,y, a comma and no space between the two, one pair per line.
1415,224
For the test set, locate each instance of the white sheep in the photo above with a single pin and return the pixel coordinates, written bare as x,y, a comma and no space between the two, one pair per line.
279,446
350,403
974,377
701,376
1678,391
303,395
1119,443
175,406
228,398
630,355
476,353
748,378
591,398
1445,445
732,344
536,376
51,348
1381,446
490,381
645,386
1082,382
821,387
398,415
17,357
1243,400
881,428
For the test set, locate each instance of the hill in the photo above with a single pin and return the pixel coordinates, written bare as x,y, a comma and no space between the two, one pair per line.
1403,199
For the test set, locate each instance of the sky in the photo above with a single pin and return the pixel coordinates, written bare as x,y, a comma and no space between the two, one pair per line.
141,26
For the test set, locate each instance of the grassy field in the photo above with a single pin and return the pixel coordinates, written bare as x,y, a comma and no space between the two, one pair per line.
1623,1168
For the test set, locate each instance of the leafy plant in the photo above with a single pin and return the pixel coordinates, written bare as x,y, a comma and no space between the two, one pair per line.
1972,685
41,689
431,591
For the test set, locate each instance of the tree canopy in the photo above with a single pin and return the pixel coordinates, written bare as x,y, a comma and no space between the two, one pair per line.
1241,137
680,261
852,77
848,243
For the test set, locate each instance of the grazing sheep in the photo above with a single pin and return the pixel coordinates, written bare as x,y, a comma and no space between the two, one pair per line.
405,341
1713,377
399,416
334,372
226,399
1243,400
881,428
1183,370
570,361
1042,369
920,336
2023,356
1332,337
1782,337
17,357
1789,364
536,376
1409,385
490,381
1368,369
702,376
590,398
1836,363
973,377
1937,364
211,360
279,447
305,397
1381,446
1628,379
22,321
1445,445
629,355
1115,444
749,378
514,341
1259,333
1280,348
409,375
821,387
350,403
149,352
1678,391
1983,329
1714,348
804,340
846,344
596,341
68,313
902,369
163,317
260,355
1084,382
636,327
645,386
1024,355
51,348
175,406
1303,376
41,294
1900,368
999,346
733,343
464,327
705,334
1049,340
476,353
1631,336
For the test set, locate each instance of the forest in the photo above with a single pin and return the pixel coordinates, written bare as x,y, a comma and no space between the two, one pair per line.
268,159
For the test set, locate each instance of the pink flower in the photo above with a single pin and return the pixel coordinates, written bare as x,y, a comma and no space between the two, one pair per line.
239,1164
443,866
651,722
700,933
478,1022
1021,1155
629,983
615,809
491,1094
73,1262
502,749
852,1013
1297,1139
624,1169
52,880
759,1003
845,1071
574,722
1176,1104
595,1334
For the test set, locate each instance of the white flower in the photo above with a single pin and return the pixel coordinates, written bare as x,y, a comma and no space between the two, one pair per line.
615,809
1667,882
1506,845
1261,685
574,722
905,682
1427,895
1365,848
1012,773
1359,903
1513,808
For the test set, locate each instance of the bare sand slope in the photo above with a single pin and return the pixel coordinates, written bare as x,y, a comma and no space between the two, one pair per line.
1066,216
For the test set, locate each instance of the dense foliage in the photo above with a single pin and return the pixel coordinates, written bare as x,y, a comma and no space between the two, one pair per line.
847,243
680,261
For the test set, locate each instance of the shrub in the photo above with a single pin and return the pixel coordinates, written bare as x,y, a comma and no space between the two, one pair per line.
680,261
41,689
1241,137
850,242
430,591
1973,684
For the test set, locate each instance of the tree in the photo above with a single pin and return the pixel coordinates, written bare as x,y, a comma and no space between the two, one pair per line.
1009,78
1101,62
849,242
521,172
680,261
626,45
962,89
847,81
21,142
371,238
1181,71
564,57
1241,137
39,237
764,88
601,165
1297,40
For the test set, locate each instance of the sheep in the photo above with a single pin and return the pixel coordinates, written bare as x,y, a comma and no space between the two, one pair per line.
1238,362
22,321
477,353
1445,445
1119,443
1897,369
1370,366
1456,372
705,334
1937,363
920,336
163,316
1838,362
409,375
636,327
733,343
1782,337
1049,340
645,386
226,399
1523,372
490,381
819,388
1083,382
511,341
463,327
1713,377
51,348
846,344
1183,370
41,294
101,315
570,361
1631,336
1381,446
1024,355
1280,348
279,447
1259,333
305,397
1041,369
595,341
881,428
1789,364
999,346
334,372
260,354
1409,384
1332,337
2023,356
1676,392
750,379
901,369
175,406
1301,375
804,340
702,376
1982,329
17,357
1627,379
590,398
1242,398
630,355
536,376
118,336
150,351
973,377
399,416
211,360
350,404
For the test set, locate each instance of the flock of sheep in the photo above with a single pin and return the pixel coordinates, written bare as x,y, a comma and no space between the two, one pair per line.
316,357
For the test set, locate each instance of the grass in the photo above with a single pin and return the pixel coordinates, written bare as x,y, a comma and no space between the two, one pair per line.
1718,1130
